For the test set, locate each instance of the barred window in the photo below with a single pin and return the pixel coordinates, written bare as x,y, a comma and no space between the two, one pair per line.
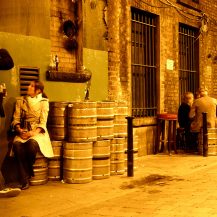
188,59
143,48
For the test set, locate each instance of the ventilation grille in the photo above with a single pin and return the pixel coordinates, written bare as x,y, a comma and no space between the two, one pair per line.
27,74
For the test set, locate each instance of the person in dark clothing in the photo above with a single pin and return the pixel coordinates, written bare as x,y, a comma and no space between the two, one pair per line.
183,116
6,63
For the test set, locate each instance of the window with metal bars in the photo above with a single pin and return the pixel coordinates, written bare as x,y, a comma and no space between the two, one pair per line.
27,75
188,59
143,60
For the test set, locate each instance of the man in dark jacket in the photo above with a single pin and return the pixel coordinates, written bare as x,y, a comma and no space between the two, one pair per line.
6,63
183,117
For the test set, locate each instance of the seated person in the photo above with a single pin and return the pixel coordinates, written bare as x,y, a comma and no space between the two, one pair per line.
29,121
183,115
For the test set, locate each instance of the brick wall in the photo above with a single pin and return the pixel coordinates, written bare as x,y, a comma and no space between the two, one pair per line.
168,48
119,44
61,10
169,20
119,50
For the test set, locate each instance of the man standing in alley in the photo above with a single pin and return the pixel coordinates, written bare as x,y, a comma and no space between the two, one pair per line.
203,104
6,63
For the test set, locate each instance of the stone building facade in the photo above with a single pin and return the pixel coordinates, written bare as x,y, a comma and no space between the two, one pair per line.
170,15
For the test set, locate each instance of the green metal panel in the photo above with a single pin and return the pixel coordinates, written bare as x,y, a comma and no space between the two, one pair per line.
97,62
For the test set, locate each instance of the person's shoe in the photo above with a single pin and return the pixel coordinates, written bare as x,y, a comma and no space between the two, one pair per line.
25,186
10,192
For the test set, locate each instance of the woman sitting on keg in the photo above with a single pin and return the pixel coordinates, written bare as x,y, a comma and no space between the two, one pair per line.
29,123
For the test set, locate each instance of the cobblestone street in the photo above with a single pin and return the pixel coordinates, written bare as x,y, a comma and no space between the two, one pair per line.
177,185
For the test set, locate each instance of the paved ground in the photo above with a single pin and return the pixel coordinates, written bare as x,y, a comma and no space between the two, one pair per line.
163,186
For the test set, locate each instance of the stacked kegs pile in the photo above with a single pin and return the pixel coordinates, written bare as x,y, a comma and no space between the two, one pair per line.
57,120
78,150
55,163
88,139
118,143
57,128
105,132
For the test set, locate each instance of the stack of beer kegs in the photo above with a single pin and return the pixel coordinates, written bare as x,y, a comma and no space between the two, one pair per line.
78,149
105,132
55,163
119,141
57,128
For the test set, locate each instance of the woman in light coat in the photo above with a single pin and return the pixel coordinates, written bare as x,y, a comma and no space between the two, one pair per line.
29,122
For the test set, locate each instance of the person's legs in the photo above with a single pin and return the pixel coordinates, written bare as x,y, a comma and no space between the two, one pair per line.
25,154
5,191
20,155
32,148
194,141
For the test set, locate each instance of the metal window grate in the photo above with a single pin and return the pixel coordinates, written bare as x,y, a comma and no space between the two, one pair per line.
188,59
143,48
27,75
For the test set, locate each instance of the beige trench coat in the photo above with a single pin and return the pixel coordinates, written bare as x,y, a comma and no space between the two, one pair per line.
203,104
37,117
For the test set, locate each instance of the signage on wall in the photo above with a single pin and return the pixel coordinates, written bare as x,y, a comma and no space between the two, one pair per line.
170,64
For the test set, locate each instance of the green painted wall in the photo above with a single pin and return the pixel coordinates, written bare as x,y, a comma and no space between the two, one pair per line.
97,62
95,53
35,52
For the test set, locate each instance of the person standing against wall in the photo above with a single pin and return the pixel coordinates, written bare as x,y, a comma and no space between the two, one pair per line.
6,63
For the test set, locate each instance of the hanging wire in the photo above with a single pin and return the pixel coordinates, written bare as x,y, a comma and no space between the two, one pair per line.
178,9
171,5
185,14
